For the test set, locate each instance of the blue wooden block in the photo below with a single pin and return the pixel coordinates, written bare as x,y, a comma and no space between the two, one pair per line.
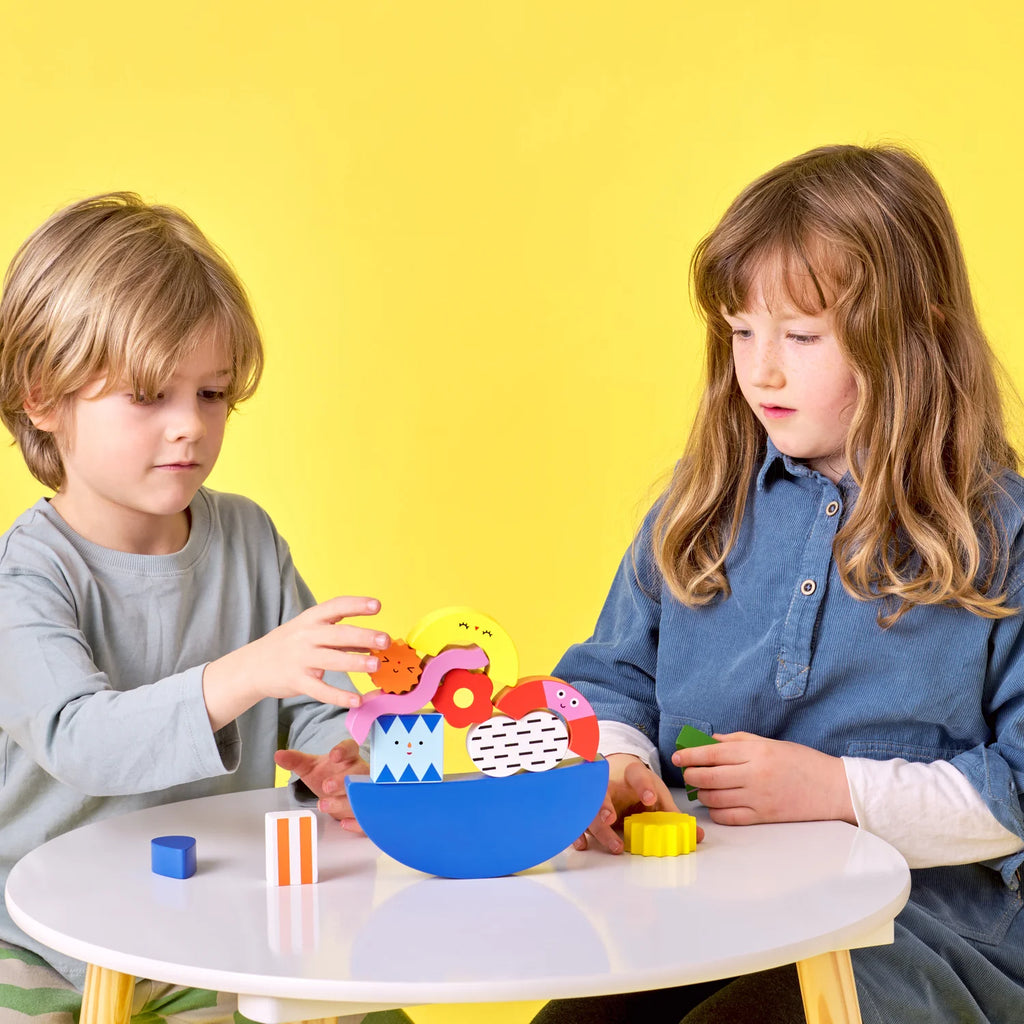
173,856
407,748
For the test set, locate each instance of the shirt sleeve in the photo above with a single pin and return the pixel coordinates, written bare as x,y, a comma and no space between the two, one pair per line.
615,669
929,812
995,769
61,709
619,738
307,724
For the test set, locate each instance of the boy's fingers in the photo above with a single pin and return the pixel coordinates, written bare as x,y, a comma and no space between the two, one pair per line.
346,750
327,659
342,607
294,761
327,694
350,638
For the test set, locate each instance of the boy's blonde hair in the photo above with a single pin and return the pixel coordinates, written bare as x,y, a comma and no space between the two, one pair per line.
113,287
866,233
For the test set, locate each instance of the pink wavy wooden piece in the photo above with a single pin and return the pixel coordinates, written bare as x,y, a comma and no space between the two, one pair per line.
376,704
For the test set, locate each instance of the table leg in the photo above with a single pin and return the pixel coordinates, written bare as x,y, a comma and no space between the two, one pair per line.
828,989
108,996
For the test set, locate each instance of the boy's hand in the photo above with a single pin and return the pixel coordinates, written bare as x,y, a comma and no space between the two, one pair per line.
746,779
290,660
325,775
632,786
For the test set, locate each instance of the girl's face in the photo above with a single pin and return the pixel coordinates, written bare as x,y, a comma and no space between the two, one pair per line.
791,372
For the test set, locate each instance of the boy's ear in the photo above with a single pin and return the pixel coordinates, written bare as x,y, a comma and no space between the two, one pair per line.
45,421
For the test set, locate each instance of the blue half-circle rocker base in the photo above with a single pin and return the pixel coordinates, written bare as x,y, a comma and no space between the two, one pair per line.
475,826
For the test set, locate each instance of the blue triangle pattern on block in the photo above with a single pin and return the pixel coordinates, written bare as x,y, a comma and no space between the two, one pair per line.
386,721
430,775
408,721
385,775
433,721
409,775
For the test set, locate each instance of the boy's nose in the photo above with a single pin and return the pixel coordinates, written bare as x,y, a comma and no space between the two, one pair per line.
186,423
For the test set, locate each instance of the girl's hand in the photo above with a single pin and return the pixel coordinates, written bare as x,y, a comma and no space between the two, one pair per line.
632,786
290,660
746,779
325,775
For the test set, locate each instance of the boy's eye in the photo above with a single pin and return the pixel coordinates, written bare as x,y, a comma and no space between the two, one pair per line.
212,395
141,398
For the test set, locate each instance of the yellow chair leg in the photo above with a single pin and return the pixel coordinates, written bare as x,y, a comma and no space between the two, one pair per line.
828,989
108,996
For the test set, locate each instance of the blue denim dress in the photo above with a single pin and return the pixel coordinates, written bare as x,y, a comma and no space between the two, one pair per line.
792,655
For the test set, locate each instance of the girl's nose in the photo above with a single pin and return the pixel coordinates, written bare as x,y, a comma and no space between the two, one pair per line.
767,368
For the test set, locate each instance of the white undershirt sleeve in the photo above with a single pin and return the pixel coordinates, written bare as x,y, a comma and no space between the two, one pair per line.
619,738
929,812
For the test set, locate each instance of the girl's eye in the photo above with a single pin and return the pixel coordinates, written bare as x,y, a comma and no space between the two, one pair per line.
141,398
742,334
805,339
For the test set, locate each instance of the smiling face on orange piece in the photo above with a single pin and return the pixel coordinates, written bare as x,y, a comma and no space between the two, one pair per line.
399,669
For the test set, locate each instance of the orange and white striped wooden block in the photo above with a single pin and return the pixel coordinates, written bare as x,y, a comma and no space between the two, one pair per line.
291,847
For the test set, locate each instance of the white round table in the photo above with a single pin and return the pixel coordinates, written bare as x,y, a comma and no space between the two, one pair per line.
373,934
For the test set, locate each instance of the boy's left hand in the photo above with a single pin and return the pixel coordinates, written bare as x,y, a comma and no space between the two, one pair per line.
746,779
325,775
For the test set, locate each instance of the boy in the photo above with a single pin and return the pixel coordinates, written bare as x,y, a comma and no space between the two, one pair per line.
157,640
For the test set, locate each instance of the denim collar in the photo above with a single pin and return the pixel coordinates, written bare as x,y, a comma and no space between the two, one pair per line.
776,463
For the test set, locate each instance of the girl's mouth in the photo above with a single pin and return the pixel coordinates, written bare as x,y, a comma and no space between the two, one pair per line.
776,412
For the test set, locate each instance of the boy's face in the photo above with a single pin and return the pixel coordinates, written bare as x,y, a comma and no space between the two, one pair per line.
132,467
796,380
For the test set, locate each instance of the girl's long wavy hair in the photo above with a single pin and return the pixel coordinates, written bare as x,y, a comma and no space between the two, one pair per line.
867,234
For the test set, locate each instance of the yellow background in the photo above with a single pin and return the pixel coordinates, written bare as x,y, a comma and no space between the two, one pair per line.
465,227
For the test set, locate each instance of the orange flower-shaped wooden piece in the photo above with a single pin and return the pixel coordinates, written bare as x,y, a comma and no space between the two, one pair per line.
479,708
399,669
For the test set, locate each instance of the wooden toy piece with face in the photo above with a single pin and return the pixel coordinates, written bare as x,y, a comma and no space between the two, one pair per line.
533,693
399,669
459,626
407,748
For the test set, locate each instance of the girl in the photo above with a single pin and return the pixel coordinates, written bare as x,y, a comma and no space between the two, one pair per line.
831,583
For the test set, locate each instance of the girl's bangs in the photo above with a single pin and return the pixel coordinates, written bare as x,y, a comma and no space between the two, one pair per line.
807,277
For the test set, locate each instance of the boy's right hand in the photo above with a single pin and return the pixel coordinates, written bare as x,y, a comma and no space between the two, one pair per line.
291,660
632,787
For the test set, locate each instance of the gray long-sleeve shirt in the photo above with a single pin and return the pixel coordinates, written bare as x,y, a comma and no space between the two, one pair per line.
101,663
